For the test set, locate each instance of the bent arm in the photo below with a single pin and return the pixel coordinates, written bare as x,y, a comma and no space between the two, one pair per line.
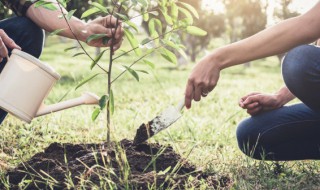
49,20
278,39
284,96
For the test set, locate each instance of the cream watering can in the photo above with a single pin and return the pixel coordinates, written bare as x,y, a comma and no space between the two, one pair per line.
24,84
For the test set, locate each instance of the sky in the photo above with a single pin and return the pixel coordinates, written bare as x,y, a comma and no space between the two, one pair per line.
299,5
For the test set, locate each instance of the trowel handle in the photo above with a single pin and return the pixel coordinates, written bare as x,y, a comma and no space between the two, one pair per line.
181,104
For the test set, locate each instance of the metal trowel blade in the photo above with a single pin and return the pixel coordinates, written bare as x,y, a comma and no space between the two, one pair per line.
159,123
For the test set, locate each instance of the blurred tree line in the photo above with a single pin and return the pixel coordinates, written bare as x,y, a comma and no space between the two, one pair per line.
241,18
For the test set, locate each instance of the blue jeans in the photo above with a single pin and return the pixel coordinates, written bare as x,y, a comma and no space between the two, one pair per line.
27,35
291,132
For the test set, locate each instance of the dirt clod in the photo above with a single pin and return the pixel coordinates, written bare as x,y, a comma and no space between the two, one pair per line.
119,165
143,133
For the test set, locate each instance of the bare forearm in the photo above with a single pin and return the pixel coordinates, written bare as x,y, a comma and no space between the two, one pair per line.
51,20
284,96
274,40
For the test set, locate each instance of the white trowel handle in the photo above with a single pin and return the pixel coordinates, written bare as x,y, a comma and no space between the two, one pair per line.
181,104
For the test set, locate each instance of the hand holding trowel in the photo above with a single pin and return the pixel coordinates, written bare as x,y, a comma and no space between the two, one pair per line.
162,121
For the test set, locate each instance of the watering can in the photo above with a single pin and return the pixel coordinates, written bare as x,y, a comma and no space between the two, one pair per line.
24,84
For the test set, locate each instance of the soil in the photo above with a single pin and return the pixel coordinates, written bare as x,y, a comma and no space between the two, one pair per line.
81,163
143,133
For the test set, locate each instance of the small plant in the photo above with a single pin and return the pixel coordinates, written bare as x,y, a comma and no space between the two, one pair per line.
164,20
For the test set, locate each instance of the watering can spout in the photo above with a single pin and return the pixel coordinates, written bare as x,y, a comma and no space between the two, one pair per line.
86,98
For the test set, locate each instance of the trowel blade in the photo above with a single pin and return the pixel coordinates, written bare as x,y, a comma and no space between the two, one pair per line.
162,121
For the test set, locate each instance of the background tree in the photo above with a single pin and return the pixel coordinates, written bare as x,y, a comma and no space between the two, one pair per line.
213,24
244,18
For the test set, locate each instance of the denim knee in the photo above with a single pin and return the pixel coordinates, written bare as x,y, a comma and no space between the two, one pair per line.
248,137
301,74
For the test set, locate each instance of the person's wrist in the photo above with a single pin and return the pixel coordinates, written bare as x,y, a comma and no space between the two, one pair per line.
80,30
281,100
219,59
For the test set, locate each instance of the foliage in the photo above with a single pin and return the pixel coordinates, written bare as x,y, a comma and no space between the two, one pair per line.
5,13
208,129
162,35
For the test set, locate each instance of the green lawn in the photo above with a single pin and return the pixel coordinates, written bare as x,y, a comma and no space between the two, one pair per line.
207,130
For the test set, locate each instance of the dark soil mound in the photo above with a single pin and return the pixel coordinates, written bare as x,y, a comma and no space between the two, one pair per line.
122,166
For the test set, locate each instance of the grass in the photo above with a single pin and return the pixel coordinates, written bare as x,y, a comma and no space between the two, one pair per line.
206,133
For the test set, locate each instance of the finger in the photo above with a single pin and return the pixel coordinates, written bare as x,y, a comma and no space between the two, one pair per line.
254,111
204,92
8,41
119,33
197,93
110,21
252,105
248,95
251,99
3,49
117,46
189,94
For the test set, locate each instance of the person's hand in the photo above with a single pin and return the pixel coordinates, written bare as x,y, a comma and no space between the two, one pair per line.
256,103
202,80
105,25
6,41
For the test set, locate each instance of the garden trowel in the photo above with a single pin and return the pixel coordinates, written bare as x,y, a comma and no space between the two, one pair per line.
160,122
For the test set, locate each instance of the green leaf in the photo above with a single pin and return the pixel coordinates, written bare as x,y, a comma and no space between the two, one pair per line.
46,5
196,31
97,59
144,3
132,72
159,24
90,12
103,101
77,54
56,32
86,80
63,3
165,171
171,44
167,18
155,36
149,63
191,9
100,7
70,48
168,55
122,16
95,114
111,102
145,17
151,26
132,25
96,36
70,14
174,11
183,54
186,13
142,71
133,41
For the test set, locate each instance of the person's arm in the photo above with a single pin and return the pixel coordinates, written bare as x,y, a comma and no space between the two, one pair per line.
274,40
256,103
49,20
